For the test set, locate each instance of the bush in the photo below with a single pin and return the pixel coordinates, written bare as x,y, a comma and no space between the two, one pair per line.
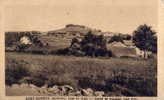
14,72
116,38
76,52
127,37
143,86
89,49
91,45
62,51
64,79
95,82
94,45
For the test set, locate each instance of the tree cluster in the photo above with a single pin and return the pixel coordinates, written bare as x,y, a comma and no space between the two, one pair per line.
91,45
120,38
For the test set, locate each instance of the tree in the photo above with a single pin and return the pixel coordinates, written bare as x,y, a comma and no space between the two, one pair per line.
127,37
145,39
74,40
94,45
116,38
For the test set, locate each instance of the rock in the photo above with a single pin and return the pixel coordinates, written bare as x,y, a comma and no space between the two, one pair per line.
55,89
76,93
99,93
15,86
25,80
33,86
66,88
63,90
43,90
23,85
87,92
44,87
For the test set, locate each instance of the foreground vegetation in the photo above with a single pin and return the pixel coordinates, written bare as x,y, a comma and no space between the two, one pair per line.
114,76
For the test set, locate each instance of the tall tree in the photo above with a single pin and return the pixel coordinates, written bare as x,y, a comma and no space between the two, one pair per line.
94,45
145,38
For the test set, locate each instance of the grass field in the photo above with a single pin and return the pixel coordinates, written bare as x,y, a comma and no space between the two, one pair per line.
136,75
57,42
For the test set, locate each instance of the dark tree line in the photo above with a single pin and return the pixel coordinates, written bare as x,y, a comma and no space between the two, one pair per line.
91,45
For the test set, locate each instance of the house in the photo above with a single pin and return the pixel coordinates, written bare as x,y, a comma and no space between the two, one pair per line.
25,40
127,49
119,49
141,53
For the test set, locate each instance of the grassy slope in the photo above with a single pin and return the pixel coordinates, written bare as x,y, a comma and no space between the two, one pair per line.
57,42
70,70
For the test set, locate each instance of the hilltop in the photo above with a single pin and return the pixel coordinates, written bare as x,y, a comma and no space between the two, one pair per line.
77,30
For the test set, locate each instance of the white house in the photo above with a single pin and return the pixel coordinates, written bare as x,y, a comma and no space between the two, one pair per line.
120,49
25,40
141,53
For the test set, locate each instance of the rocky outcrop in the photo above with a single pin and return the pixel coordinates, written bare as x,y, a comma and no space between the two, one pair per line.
65,90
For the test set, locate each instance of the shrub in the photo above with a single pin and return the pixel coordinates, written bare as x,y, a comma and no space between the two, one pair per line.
143,86
39,77
64,79
74,40
95,82
14,72
91,45
61,51
103,52
89,49
116,38
94,45
127,37
76,52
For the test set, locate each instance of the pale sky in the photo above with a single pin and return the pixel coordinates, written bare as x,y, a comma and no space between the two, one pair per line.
108,15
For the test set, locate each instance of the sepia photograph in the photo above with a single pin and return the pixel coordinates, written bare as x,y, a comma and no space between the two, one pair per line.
105,48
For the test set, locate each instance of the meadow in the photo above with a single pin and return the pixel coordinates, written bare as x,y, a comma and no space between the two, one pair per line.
114,76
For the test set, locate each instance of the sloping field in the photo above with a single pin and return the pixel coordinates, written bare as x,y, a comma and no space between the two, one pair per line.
134,77
58,43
